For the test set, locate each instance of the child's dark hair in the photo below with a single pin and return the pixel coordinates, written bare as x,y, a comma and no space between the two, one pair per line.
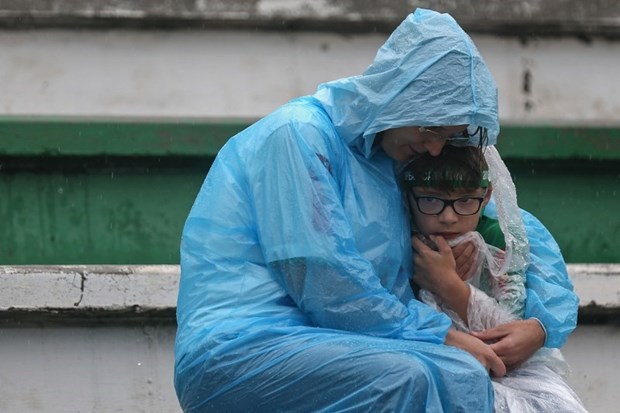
457,167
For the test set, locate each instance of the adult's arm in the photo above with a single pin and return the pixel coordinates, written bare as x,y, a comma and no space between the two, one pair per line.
551,304
550,295
308,243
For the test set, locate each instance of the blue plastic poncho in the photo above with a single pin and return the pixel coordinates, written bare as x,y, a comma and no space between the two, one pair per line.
295,257
550,296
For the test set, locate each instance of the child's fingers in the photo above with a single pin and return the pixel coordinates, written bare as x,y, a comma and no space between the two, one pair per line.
442,244
464,257
419,246
463,251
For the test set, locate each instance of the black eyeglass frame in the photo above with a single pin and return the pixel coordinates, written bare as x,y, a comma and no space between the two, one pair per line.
458,138
446,203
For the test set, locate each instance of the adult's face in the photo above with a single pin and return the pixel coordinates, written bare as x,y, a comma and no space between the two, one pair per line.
402,144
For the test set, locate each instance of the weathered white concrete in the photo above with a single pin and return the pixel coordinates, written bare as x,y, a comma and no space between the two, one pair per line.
89,287
514,17
105,366
91,370
129,369
248,74
195,74
593,353
109,287
597,284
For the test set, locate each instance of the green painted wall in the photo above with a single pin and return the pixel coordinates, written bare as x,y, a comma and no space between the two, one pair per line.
569,177
579,204
113,217
75,191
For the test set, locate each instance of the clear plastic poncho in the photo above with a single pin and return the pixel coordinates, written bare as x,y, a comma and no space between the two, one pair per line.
498,273
295,258
497,296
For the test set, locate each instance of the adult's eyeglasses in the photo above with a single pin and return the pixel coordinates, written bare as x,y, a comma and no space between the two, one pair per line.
459,138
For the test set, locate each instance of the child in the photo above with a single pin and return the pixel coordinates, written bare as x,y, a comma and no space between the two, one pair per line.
445,195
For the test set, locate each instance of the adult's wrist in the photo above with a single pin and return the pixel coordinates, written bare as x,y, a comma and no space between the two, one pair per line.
542,327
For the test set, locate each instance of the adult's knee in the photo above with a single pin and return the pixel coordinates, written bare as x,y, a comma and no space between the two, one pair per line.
398,381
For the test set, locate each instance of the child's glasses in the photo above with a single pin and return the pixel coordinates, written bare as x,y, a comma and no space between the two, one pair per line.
431,205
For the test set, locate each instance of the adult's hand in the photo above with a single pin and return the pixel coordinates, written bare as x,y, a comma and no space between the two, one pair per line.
480,350
464,253
514,342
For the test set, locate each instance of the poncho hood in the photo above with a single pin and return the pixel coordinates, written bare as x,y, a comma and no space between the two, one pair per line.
428,73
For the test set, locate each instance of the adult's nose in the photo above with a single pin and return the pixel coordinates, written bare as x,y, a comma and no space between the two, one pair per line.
434,146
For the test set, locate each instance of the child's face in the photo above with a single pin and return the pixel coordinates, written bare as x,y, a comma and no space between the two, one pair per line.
448,223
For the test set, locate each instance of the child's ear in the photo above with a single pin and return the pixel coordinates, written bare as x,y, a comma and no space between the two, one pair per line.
487,196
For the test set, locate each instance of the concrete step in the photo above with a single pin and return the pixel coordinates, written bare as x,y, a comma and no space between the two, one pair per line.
133,292
101,338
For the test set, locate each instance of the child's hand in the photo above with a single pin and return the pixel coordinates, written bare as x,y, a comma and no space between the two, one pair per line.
481,351
434,270
464,254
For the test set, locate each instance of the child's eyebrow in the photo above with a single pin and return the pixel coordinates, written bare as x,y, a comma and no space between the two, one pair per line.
440,193
430,192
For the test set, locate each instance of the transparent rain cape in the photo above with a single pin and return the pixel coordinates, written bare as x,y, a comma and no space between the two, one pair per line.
497,296
499,273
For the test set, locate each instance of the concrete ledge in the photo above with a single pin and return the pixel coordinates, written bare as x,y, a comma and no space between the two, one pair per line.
93,293
511,17
598,287
88,293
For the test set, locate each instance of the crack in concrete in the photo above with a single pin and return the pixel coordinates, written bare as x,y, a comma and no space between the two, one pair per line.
82,282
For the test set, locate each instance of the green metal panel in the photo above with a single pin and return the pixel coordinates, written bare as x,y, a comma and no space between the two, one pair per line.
579,205
77,191
569,178
553,142
111,217
53,137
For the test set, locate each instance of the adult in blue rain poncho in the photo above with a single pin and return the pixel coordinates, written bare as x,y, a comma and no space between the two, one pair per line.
296,256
